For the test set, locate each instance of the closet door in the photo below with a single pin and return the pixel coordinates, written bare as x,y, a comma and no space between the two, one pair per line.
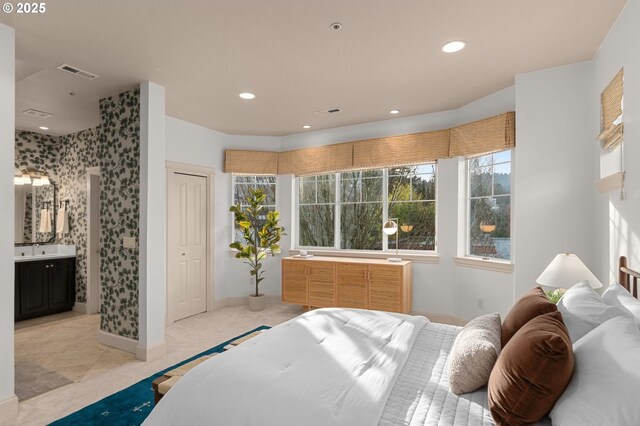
187,241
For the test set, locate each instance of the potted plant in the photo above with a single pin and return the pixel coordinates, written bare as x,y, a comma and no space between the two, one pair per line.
260,234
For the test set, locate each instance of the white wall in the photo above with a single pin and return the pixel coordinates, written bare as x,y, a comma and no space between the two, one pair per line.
555,169
192,144
153,222
618,222
8,401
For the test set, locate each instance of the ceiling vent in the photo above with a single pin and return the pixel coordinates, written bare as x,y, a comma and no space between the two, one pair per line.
328,111
36,113
77,71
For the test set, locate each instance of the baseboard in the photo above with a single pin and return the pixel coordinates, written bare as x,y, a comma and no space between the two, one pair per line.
81,307
119,342
243,300
151,352
8,410
442,318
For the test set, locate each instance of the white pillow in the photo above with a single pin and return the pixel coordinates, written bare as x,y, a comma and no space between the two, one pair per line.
616,295
606,378
474,353
583,310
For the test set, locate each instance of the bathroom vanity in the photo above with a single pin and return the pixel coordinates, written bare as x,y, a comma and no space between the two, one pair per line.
45,280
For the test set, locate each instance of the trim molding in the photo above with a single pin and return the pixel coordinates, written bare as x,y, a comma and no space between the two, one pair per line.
487,264
151,352
178,166
8,409
244,300
613,182
80,307
442,318
119,342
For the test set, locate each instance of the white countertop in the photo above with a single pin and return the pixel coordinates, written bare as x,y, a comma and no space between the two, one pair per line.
43,252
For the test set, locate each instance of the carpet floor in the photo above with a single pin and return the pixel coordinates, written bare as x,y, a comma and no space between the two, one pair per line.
131,406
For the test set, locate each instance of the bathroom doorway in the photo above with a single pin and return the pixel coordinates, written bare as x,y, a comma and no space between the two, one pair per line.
93,240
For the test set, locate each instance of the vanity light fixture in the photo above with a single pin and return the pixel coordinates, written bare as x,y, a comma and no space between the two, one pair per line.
454,46
43,128
306,126
26,178
17,180
394,111
247,95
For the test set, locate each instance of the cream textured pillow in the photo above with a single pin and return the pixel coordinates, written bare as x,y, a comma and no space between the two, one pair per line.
474,353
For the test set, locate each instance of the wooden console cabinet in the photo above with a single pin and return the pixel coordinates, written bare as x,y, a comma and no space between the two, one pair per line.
348,283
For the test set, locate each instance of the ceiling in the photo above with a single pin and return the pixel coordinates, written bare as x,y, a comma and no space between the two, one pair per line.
205,52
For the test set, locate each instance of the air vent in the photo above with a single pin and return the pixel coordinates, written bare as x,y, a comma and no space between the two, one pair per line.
328,111
36,113
77,71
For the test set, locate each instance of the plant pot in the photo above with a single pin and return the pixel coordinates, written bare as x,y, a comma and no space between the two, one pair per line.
256,303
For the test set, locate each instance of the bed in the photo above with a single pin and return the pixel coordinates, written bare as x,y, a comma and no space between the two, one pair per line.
333,367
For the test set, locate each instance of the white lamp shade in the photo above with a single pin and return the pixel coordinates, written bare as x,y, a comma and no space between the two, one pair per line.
390,227
566,270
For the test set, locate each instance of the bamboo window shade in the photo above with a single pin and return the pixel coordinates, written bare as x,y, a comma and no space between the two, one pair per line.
480,137
318,159
484,136
401,150
250,162
611,109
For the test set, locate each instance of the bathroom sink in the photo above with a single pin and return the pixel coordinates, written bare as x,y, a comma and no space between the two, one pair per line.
47,251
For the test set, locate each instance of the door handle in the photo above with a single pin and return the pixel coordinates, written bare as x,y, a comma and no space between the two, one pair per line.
46,266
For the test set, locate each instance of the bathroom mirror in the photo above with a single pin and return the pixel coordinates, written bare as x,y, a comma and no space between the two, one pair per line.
35,214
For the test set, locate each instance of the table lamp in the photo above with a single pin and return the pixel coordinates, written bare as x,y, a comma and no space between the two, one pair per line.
390,227
565,270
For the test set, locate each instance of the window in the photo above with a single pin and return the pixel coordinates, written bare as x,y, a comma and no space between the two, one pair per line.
346,210
241,186
489,232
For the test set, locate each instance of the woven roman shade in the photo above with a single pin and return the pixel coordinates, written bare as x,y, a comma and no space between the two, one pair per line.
250,162
611,109
316,160
401,150
484,136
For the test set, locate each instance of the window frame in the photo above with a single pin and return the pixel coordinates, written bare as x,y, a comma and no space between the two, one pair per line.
233,196
467,227
295,241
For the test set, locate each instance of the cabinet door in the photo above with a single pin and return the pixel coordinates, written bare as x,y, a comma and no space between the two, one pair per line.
34,289
61,284
295,282
352,285
322,284
385,288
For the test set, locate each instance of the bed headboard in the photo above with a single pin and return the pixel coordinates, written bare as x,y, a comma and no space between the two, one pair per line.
628,276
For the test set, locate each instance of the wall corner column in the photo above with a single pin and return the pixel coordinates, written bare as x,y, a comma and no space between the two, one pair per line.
153,223
8,399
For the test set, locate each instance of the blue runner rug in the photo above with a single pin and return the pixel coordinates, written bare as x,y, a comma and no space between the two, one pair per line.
132,405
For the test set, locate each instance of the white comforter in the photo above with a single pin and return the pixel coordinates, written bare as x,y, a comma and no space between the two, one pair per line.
326,367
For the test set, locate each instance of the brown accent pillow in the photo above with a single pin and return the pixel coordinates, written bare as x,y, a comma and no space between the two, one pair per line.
531,372
533,303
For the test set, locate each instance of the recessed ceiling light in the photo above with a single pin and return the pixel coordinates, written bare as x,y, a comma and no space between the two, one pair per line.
306,126
247,95
454,46
394,111
43,128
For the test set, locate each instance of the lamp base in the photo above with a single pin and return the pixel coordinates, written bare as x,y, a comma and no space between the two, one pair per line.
394,259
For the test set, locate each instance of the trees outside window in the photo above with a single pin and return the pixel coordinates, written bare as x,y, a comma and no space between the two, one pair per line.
241,186
358,201
489,232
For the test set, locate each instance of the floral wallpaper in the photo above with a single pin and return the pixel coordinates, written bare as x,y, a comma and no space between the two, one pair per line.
77,152
114,146
119,153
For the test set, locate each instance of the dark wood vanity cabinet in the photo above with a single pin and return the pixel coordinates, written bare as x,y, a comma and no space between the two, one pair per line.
44,287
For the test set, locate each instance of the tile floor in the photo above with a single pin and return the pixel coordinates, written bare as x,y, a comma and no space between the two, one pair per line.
99,372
